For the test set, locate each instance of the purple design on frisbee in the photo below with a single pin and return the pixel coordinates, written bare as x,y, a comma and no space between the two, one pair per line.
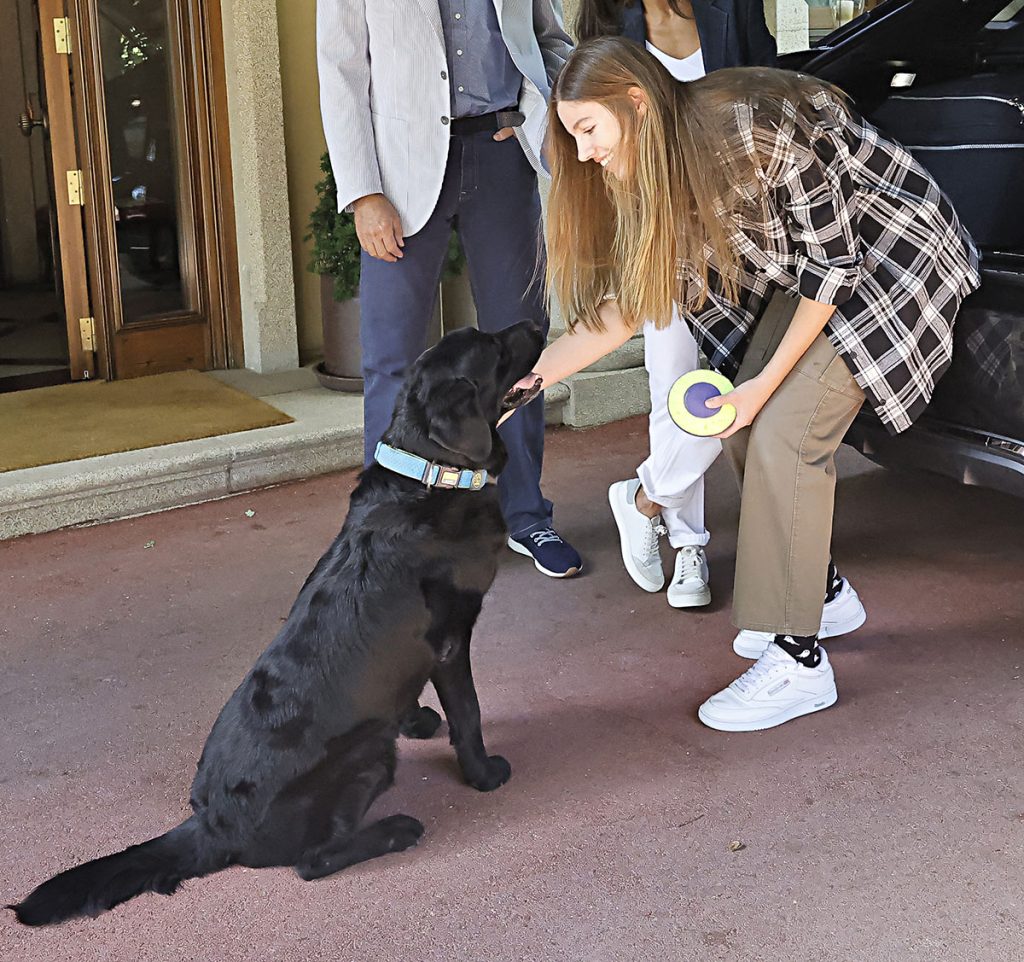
695,397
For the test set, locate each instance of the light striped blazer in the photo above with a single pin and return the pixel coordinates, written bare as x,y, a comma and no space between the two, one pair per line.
384,92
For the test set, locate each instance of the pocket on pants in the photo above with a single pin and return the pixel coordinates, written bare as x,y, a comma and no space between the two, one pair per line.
838,377
822,363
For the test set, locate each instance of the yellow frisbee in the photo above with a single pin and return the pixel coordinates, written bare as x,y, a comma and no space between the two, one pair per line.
687,408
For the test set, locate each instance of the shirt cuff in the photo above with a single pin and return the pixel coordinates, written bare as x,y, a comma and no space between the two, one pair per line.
827,283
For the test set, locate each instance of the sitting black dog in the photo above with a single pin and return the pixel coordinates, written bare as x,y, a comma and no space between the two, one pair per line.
307,741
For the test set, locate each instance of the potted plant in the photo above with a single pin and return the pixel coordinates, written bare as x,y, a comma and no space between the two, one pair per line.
335,257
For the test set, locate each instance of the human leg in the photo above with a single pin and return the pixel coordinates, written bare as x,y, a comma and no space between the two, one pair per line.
396,303
499,220
786,462
668,495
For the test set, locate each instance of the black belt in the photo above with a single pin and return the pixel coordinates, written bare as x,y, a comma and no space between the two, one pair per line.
487,122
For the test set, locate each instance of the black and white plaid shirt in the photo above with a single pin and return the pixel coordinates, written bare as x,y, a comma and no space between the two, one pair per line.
853,220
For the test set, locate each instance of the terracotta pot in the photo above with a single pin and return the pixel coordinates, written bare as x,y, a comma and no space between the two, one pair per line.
341,368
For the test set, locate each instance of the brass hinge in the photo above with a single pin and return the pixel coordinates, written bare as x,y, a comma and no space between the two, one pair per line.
62,34
87,327
75,197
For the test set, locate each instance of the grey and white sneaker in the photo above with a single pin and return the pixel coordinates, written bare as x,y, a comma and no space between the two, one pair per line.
843,614
638,536
774,690
689,587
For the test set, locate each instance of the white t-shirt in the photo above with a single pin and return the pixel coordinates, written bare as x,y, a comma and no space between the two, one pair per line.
689,68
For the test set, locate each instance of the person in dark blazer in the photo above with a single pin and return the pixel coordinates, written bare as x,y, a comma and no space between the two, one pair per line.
731,33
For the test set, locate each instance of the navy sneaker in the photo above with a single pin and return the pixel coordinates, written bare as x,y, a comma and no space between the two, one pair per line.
551,555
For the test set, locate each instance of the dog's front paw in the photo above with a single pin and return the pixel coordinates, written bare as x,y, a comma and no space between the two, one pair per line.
421,722
403,831
522,392
497,772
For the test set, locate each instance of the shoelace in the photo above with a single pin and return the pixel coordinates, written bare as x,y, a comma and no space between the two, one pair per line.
758,672
545,536
689,565
652,535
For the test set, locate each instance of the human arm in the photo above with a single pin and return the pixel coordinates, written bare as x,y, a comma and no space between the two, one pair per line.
379,227
748,398
758,43
555,43
343,60
818,209
575,350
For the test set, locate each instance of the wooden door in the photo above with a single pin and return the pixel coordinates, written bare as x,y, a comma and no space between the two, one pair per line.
151,112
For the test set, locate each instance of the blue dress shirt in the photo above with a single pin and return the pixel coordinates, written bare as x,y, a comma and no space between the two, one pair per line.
481,72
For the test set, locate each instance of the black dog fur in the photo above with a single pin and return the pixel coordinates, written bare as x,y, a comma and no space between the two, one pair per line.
307,741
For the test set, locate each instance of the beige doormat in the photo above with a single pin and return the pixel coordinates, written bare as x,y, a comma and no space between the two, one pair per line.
72,421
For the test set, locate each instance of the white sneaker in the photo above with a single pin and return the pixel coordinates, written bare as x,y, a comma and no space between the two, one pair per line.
843,614
775,689
638,536
689,587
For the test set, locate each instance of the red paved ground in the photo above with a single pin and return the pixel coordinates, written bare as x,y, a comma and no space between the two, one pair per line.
890,827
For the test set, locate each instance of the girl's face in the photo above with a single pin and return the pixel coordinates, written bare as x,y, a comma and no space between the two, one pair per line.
596,131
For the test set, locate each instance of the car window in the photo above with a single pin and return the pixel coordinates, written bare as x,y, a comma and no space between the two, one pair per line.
825,16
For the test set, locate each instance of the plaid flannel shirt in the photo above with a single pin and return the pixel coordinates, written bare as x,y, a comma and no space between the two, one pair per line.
852,220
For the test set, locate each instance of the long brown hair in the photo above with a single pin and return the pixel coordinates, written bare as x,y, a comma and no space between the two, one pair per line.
684,179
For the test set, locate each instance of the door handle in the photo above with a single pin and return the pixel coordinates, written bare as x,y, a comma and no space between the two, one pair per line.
28,121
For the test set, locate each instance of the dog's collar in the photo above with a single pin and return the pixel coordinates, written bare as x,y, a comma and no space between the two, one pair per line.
430,473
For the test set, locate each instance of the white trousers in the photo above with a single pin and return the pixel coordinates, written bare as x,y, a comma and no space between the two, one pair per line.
673,474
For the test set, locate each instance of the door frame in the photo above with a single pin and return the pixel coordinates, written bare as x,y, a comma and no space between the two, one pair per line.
65,162
211,336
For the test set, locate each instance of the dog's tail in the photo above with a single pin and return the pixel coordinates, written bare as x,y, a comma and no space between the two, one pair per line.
158,865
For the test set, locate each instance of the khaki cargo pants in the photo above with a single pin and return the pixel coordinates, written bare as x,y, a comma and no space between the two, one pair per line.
786,469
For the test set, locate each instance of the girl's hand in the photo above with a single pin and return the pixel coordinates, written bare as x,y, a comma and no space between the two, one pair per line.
521,393
748,399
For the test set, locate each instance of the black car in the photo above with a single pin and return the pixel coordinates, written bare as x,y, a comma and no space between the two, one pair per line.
946,79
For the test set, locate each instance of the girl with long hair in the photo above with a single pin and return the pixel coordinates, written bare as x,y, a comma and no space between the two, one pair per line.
709,197
666,497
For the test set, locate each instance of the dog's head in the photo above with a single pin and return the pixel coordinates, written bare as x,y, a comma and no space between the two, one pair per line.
452,398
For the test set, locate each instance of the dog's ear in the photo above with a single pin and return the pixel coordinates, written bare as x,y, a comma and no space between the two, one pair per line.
456,421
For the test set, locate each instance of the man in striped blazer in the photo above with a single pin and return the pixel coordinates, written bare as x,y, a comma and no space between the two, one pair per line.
434,112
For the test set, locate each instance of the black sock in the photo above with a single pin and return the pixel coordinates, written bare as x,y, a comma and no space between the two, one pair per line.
802,648
833,583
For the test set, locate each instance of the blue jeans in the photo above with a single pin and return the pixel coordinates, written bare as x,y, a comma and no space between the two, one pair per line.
489,195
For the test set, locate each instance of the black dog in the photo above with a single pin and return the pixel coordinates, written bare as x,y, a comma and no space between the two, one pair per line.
307,741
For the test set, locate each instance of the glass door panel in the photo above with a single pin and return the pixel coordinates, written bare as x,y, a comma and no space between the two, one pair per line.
152,108
145,123
33,337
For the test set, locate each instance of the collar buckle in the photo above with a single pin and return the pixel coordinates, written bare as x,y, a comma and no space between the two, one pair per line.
442,476
431,474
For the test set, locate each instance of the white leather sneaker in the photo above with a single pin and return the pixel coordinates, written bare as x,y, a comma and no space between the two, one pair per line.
638,536
774,690
840,616
689,587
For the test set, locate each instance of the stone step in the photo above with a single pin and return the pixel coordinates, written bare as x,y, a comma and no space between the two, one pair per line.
325,436
600,397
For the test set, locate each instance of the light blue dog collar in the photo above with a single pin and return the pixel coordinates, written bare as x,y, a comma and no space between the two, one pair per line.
430,473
